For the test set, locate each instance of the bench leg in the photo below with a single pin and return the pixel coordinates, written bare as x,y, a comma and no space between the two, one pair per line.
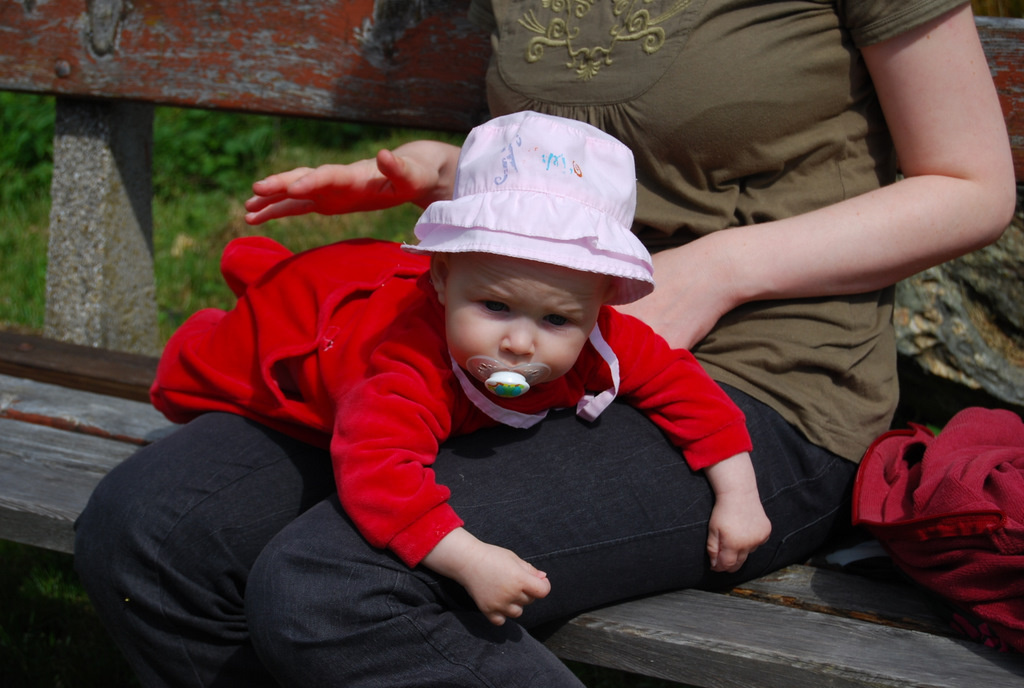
100,289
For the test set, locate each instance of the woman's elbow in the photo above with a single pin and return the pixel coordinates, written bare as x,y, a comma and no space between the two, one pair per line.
1003,206
995,203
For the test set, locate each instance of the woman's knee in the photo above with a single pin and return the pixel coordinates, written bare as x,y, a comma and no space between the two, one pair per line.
320,573
112,524
306,596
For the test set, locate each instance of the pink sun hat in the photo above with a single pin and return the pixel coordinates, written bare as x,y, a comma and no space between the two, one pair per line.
546,189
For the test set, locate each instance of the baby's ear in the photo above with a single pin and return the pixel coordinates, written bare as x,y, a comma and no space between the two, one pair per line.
439,270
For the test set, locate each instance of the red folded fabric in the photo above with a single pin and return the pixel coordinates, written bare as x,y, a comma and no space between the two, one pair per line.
949,509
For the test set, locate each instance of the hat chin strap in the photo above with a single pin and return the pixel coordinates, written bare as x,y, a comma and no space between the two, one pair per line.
589,407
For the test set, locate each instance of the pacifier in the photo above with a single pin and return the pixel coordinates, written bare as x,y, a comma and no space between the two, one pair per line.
506,381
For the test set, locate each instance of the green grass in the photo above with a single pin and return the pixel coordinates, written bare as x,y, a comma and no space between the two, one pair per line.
49,634
23,234
203,166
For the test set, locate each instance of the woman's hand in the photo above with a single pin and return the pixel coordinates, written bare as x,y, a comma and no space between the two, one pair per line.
419,172
695,288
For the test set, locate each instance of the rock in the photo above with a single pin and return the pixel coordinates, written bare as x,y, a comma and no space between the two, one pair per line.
960,331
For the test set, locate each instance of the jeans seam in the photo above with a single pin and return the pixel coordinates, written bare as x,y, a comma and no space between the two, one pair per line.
422,632
614,542
825,469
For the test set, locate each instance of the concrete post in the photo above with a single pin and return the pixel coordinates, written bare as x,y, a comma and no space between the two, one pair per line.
100,289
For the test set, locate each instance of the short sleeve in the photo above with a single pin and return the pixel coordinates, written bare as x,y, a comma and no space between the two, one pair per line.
873,21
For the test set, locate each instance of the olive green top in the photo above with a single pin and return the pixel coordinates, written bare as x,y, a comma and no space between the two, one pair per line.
738,112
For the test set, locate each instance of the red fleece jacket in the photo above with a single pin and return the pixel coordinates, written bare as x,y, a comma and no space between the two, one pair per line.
950,511
344,346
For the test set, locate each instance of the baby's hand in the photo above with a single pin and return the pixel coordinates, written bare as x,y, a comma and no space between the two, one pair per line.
416,172
737,528
502,584
499,582
738,522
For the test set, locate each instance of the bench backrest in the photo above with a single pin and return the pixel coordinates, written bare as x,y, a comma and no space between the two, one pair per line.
404,62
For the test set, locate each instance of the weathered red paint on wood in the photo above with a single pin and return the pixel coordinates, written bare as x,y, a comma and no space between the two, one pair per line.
1003,40
300,58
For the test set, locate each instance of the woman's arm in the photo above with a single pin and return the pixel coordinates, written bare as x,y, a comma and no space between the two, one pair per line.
958,195
419,172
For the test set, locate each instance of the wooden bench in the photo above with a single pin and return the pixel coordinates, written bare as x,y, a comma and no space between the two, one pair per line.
70,410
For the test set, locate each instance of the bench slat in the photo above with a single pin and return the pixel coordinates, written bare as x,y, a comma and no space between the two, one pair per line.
55,445
714,640
81,412
48,475
87,368
323,59
856,597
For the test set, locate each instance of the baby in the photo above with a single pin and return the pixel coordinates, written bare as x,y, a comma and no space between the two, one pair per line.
500,312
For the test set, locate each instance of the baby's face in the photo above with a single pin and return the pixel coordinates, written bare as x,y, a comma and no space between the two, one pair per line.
517,311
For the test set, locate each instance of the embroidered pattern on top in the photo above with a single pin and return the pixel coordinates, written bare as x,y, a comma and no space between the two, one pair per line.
634,24
551,161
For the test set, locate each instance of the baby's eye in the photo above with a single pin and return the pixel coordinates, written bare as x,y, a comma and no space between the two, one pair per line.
496,306
557,320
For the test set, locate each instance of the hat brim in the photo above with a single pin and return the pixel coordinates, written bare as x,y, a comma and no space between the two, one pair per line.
481,224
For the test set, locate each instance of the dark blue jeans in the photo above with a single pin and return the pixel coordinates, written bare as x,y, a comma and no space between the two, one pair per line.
220,557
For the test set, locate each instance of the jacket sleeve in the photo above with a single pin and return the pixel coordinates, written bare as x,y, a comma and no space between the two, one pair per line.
675,392
387,432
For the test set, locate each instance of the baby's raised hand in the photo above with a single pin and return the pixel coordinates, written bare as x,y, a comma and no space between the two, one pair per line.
417,172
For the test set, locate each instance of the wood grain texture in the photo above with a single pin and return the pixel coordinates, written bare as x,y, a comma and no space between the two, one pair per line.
48,475
55,445
102,371
842,594
717,641
85,413
419,65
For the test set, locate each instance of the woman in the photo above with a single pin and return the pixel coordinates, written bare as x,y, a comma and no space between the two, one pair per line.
766,136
